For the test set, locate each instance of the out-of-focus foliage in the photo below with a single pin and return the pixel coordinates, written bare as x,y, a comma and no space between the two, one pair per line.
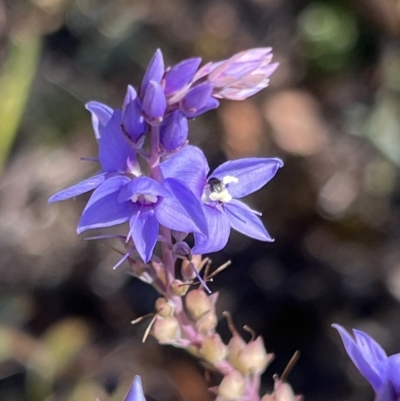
332,113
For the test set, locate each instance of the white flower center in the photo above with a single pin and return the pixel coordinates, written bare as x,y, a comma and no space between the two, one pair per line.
216,189
144,199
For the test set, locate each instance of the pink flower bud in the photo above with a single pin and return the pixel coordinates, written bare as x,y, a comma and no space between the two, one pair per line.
207,323
253,358
198,303
242,75
232,386
166,330
178,288
282,392
213,349
164,308
235,347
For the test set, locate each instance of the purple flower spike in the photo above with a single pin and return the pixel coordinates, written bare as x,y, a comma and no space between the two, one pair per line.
180,75
231,180
242,75
196,100
154,103
154,72
381,371
174,131
136,391
132,120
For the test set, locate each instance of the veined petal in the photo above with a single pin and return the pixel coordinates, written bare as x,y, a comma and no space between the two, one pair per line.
251,173
182,211
243,219
106,212
80,188
355,353
387,393
142,186
218,232
371,350
180,75
136,391
393,372
154,72
190,166
114,149
112,185
144,231
101,115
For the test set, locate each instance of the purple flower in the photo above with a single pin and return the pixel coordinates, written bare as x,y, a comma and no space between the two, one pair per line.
136,391
174,131
219,193
382,372
146,204
116,155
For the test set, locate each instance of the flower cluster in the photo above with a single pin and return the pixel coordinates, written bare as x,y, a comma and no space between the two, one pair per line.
151,178
381,371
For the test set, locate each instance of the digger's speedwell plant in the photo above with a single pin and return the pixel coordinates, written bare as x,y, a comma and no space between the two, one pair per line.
153,180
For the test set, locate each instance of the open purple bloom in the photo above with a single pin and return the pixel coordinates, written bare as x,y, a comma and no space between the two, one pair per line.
382,372
136,391
220,191
146,204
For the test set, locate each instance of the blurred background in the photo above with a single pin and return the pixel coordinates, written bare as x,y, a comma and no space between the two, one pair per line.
332,113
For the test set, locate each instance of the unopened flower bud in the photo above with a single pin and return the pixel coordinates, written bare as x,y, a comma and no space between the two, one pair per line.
253,358
178,288
166,329
213,349
235,347
197,303
282,392
164,308
207,323
232,386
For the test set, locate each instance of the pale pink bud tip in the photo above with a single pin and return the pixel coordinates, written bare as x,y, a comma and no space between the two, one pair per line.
242,75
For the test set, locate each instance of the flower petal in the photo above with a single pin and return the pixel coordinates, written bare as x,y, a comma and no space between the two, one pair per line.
393,372
106,212
243,219
355,353
182,211
196,99
144,231
180,75
190,166
136,391
80,188
218,232
371,350
174,131
101,115
114,149
132,119
252,174
154,72
142,186
386,393
154,102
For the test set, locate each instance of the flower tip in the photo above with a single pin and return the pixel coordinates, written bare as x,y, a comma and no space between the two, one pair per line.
136,391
